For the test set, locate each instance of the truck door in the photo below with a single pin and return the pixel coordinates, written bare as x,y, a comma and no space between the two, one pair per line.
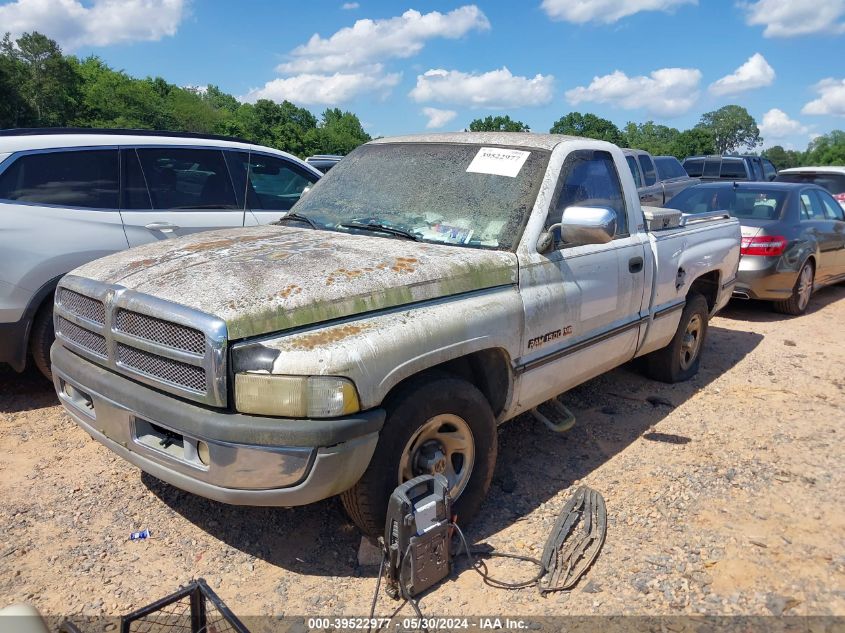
581,303
172,191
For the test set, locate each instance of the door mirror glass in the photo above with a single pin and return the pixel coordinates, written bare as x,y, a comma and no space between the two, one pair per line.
581,225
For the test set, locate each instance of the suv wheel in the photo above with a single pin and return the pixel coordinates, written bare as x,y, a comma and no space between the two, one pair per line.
440,425
41,338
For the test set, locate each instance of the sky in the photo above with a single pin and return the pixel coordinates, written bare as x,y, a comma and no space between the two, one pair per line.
410,66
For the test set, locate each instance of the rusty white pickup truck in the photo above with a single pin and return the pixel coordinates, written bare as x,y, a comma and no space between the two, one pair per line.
426,290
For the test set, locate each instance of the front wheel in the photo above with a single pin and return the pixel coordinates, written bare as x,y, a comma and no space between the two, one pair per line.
41,338
680,359
441,425
797,304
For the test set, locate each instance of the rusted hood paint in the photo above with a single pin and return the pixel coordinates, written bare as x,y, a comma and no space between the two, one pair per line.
271,278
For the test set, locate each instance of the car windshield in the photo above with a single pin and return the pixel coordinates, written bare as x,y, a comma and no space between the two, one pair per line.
756,203
834,183
458,193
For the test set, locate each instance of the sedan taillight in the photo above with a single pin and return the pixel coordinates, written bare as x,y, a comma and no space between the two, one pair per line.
767,246
840,197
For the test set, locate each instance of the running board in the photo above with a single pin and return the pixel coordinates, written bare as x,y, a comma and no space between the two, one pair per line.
554,415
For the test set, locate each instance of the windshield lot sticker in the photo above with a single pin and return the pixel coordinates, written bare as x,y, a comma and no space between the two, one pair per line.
498,162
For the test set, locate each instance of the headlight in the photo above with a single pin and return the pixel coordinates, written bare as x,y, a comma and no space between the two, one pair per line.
295,396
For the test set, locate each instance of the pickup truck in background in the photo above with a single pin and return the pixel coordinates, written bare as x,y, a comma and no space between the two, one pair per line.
659,178
388,325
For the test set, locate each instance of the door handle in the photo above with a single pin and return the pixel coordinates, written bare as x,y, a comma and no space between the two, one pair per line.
164,227
635,264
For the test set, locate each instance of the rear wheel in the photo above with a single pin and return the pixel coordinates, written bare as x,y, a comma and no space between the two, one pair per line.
680,359
41,338
441,425
797,304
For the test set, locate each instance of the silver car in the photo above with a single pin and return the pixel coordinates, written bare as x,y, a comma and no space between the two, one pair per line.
793,237
71,196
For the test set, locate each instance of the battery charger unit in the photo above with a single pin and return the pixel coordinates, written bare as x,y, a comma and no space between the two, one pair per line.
416,536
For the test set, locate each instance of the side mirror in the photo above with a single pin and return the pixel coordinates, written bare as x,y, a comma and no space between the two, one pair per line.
581,225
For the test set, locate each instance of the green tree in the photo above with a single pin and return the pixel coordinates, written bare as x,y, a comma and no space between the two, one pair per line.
191,113
732,127
49,84
695,142
783,158
653,138
827,149
588,125
500,123
14,109
338,133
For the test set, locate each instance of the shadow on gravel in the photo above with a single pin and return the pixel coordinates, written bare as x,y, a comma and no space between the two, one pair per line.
534,465
26,391
762,312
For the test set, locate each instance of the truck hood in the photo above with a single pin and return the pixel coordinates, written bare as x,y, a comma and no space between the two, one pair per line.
270,278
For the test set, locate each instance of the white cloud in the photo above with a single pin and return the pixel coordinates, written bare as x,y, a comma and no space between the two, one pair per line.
437,117
370,41
98,23
494,89
754,73
791,18
606,11
311,89
349,6
776,124
665,92
831,98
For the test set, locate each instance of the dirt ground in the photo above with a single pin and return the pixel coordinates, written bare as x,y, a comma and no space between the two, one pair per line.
727,498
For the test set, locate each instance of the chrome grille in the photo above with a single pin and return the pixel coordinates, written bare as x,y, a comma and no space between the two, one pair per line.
82,306
89,340
160,331
166,369
160,343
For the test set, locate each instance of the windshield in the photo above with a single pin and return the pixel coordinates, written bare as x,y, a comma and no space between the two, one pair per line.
757,203
460,194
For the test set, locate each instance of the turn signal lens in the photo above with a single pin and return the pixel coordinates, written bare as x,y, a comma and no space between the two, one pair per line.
295,396
766,246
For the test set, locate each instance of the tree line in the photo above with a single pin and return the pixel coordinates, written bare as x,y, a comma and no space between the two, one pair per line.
42,87
724,131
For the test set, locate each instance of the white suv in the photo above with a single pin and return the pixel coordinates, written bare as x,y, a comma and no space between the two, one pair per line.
69,196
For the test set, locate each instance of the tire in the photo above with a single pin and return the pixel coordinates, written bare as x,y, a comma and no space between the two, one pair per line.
450,405
797,303
680,359
41,338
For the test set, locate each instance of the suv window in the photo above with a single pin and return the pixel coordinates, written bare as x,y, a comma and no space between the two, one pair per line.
275,184
81,178
733,169
756,168
134,194
179,178
649,175
694,167
635,171
590,179
834,183
669,167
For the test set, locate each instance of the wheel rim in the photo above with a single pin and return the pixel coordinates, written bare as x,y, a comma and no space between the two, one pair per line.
691,342
444,445
805,286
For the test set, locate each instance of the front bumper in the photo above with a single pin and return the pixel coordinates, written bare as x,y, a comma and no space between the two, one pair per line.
764,278
252,460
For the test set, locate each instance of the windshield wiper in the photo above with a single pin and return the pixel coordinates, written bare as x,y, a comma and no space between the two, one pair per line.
381,228
296,217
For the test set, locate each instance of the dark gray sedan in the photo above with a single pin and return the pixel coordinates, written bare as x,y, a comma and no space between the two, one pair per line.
793,237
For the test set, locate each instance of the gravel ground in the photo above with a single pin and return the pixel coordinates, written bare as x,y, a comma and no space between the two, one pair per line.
724,496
